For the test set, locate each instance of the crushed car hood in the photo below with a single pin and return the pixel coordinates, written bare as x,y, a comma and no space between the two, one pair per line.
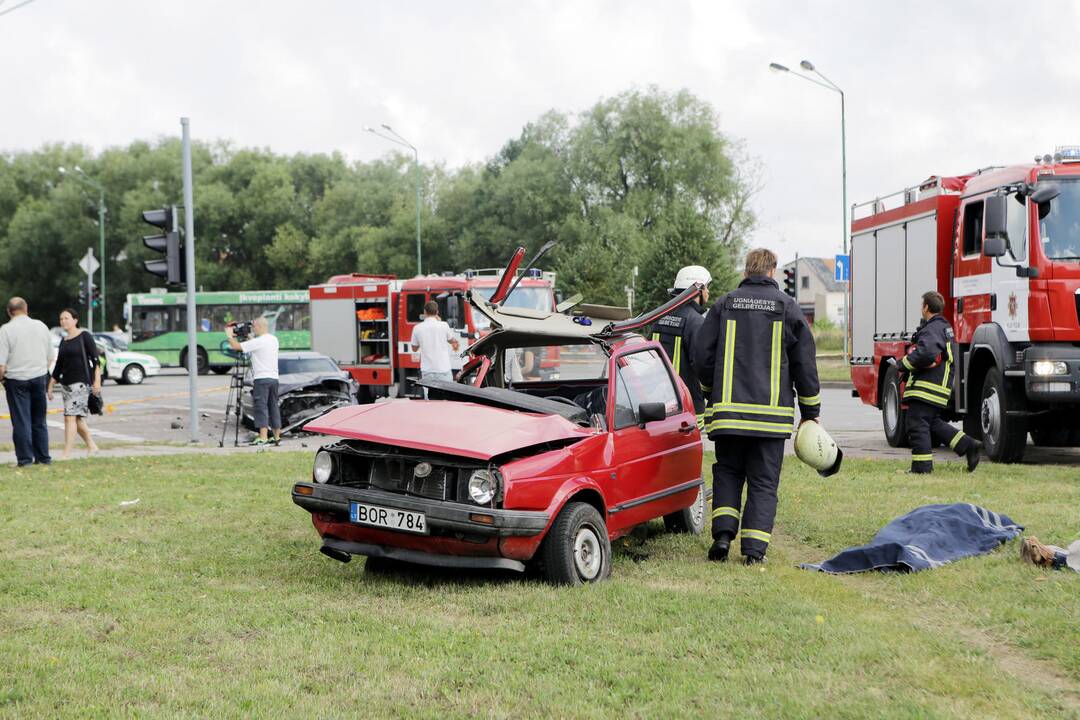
448,427
296,381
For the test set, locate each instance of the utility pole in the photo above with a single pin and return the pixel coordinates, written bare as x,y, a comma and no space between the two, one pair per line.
189,250
90,293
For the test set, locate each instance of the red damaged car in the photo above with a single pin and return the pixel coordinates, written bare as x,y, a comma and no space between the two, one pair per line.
508,468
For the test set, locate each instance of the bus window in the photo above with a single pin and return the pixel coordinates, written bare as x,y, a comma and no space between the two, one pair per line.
150,323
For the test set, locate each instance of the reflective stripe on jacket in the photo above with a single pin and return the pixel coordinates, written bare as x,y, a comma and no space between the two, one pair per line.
930,363
676,332
753,353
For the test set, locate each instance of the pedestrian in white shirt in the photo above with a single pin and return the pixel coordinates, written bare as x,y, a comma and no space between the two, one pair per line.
25,352
262,352
434,339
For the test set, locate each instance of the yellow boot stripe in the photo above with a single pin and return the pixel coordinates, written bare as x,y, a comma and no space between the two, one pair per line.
756,535
729,511
956,439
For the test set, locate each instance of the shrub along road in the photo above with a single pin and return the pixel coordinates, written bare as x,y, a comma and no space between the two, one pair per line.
208,598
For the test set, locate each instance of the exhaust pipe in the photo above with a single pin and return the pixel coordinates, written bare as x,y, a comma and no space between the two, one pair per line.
335,554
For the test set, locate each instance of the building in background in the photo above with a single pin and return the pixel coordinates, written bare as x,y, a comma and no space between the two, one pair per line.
818,292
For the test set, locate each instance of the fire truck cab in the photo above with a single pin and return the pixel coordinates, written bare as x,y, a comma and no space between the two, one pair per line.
1002,245
365,322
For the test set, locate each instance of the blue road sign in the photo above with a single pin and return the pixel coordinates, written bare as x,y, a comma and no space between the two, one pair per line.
843,268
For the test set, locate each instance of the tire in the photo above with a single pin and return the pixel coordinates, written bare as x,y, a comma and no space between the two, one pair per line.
202,363
133,374
364,396
688,520
1004,436
893,416
220,369
576,550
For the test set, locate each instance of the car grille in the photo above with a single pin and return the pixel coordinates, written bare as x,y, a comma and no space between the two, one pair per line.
364,465
399,475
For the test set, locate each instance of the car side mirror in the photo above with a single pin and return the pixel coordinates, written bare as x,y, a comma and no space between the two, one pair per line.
1044,193
650,412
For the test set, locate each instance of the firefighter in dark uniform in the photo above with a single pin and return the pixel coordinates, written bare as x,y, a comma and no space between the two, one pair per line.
754,355
930,372
677,330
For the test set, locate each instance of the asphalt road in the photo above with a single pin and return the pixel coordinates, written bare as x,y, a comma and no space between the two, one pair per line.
144,415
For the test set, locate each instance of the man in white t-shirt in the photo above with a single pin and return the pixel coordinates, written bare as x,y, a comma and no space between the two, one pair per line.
262,352
434,339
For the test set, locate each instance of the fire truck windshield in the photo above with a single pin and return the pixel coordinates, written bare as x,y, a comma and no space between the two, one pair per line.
1059,231
532,298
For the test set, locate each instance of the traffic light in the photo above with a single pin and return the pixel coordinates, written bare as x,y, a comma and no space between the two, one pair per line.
95,297
82,293
170,267
789,282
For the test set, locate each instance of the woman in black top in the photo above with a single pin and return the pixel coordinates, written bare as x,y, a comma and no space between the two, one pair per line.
77,371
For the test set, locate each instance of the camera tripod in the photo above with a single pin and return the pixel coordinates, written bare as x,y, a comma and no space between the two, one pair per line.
233,404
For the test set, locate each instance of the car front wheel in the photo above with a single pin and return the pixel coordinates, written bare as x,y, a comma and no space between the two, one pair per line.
576,550
688,520
133,374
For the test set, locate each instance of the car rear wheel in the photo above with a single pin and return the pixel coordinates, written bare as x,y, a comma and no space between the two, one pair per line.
893,416
133,374
688,520
576,550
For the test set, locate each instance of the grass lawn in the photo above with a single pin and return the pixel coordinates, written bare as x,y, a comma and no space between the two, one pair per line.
833,367
208,598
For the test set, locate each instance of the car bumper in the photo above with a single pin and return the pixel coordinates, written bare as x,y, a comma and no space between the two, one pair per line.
151,370
443,517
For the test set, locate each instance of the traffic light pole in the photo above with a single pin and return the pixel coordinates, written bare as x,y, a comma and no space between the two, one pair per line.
189,251
90,296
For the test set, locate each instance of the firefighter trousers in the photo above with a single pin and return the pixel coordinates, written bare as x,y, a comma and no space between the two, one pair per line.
755,463
925,429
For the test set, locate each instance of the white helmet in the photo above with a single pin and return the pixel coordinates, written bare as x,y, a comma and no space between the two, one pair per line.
690,275
815,448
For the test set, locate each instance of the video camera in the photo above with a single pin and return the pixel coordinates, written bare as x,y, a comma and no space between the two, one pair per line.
242,330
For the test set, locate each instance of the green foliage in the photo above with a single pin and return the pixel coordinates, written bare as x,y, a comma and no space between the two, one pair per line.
643,179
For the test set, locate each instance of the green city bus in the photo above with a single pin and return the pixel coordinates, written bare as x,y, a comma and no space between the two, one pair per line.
157,322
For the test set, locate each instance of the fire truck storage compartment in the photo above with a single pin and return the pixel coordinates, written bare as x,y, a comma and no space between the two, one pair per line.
326,324
891,267
373,332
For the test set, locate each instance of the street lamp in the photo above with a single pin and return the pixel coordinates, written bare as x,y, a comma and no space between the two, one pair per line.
830,85
83,177
416,165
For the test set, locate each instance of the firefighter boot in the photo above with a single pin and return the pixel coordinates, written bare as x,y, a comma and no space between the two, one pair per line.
720,547
749,560
973,455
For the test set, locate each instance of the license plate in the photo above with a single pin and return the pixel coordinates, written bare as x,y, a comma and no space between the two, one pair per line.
390,518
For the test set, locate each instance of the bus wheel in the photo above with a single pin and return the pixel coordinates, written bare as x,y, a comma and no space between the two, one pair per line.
1004,435
893,416
202,363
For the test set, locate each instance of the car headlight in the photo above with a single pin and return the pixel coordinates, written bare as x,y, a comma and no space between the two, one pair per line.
483,486
1044,368
324,467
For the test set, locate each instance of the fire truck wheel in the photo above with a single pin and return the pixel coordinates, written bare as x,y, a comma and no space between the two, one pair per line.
1004,435
893,417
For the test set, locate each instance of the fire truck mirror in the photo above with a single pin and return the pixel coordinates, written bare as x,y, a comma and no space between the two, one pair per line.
1044,193
996,227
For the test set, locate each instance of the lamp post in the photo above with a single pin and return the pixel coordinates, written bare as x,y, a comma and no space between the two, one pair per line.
416,166
83,177
830,85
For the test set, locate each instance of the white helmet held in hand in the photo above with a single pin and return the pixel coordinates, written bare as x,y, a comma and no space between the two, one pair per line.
690,275
815,448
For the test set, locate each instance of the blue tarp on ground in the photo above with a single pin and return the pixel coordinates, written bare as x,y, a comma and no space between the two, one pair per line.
927,537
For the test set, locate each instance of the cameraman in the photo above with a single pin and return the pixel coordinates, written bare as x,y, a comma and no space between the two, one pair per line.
263,355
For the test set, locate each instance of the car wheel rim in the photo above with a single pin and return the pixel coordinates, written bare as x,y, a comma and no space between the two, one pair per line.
135,376
892,409
697,510
588,554
990,417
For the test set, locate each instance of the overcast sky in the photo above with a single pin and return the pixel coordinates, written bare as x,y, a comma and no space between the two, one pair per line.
932,87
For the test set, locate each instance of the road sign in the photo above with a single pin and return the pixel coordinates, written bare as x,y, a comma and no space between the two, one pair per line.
89,263
843,268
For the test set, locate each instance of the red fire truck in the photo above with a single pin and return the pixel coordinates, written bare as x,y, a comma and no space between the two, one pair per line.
365,322
1002,245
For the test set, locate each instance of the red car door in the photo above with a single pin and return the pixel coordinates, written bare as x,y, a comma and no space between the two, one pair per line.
657,466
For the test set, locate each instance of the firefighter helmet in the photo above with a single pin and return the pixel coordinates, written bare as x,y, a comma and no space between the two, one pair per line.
815,448
690,275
